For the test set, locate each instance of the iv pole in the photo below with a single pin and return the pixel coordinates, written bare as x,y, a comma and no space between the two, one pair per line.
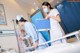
16,35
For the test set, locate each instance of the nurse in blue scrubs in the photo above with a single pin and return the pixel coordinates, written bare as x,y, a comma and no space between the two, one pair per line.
30,30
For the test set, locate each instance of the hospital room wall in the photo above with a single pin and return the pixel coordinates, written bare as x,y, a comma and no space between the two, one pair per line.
8,42
12,9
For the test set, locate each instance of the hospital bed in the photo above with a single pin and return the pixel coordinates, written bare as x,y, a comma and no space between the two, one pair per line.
62,48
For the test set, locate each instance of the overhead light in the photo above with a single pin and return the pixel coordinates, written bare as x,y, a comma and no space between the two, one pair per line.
33,10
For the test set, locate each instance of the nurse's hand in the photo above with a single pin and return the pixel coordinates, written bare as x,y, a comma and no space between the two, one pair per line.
21,38
46,30
48,17
35,45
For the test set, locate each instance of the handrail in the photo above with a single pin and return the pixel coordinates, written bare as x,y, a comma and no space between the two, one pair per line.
67,35
6,32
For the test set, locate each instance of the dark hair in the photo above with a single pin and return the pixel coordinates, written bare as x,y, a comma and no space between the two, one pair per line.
21,20
16,21
0,46
47,4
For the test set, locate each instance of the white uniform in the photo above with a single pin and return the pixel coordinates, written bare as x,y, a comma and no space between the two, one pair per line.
56,30
36,36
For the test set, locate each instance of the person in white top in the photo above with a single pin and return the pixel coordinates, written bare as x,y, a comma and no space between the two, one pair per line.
30,31
56,30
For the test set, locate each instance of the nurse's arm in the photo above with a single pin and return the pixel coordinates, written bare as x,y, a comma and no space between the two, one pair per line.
47,17
34,35
36,44
58,18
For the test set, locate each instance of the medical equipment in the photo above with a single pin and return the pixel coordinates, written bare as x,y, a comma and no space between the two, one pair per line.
42,24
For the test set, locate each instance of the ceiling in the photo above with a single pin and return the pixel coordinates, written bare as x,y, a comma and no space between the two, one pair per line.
27,5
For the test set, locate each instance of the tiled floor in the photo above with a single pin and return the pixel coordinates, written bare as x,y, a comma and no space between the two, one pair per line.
72,39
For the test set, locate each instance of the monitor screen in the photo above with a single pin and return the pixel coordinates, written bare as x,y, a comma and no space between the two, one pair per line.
42,24
39,15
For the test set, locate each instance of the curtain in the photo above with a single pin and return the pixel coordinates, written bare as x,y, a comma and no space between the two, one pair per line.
70,15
